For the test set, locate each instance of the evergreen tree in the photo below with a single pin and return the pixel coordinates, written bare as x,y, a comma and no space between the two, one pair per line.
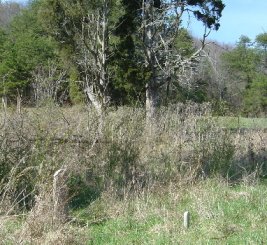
255,97
261,41
129,74
242,62
245,66
25,47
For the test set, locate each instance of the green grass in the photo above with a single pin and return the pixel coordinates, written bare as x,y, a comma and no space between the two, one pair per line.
8,226
242,122
220,215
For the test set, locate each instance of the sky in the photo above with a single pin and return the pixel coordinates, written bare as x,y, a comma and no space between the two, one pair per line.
239,17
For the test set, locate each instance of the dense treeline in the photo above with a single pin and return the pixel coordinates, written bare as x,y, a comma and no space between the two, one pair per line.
100,51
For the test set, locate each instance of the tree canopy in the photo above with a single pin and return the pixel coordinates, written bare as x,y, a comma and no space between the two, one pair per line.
125,53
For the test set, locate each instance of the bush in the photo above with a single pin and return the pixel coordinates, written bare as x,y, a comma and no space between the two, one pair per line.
184,144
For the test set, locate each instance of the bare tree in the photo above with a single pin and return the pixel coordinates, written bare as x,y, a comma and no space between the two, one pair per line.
211,70
7,11
47,82
161,23
92,36
93,39
89,25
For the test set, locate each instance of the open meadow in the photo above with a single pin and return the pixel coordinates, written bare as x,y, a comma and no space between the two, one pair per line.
132,182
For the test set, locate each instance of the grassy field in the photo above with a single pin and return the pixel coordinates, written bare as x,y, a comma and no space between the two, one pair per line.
220,214
241,122
133,183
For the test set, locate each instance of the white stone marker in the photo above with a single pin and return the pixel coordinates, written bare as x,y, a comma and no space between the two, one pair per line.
186,219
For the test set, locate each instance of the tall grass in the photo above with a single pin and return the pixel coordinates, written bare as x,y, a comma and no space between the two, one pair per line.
125,165
220,214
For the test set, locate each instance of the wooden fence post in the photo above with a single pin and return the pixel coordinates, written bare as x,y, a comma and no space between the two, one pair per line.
60,196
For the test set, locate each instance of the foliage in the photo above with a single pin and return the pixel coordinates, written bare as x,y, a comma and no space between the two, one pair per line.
129,75
242,61
256,96
244,64
53,31
76,96
25,47
261,40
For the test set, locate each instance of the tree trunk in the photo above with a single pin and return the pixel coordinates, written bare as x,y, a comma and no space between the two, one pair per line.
96,65
94,99
99,107
148,39
151,102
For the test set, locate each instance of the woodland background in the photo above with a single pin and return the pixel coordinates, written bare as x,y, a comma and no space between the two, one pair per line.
39,62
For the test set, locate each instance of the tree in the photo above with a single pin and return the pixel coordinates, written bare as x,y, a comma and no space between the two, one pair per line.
129,76
161,23
181,87
241,65
85,27
219,78
245,66
47,82
8,10
261,41
24,46
255,94
255,97
146,55
242,60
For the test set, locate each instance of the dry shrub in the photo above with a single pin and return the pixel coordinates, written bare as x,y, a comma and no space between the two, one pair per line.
185,144
34,144
40,227
250,154
39,220
182,145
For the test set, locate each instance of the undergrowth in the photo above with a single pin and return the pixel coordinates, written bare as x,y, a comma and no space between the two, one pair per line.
134,180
